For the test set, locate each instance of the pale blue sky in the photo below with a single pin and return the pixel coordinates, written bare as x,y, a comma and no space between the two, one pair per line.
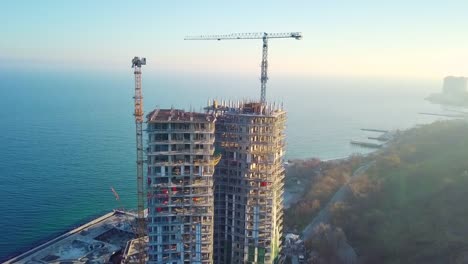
404,39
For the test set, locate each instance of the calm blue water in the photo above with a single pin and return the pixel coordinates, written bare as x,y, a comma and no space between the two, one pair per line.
66,138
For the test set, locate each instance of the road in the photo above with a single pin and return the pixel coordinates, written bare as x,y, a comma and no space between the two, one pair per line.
340,195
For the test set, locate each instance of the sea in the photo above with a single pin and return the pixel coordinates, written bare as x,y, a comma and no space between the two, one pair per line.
67,137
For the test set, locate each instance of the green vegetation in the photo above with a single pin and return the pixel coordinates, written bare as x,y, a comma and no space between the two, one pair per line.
410,206
318,188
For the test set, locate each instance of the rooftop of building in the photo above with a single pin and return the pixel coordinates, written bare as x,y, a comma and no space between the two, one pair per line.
246,107
178,115
98,241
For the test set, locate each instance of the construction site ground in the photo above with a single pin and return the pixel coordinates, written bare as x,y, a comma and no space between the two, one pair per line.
98,241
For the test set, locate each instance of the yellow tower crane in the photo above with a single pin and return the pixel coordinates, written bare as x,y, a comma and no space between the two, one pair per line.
138,113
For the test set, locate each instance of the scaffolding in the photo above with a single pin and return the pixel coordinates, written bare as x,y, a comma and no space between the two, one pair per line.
181,162
249,181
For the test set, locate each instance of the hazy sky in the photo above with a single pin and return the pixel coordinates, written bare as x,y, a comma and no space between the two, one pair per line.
401,39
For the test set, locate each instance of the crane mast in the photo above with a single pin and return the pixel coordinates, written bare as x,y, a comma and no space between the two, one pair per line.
138,113
264,67
264,36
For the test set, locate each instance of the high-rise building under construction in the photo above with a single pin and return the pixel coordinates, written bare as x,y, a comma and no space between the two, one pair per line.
249,181
180,186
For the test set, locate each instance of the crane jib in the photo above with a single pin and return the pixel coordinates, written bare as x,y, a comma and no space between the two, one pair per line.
296,35
259,35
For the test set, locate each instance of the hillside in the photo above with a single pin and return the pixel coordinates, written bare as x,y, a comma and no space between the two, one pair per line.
409,206
314,183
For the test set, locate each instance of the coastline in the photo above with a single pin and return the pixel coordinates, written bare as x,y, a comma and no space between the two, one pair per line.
86,221
52,237
381,193
293,192
95,241
292,195
289,199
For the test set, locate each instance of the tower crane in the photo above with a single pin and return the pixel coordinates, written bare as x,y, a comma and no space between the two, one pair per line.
264,36
136,64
